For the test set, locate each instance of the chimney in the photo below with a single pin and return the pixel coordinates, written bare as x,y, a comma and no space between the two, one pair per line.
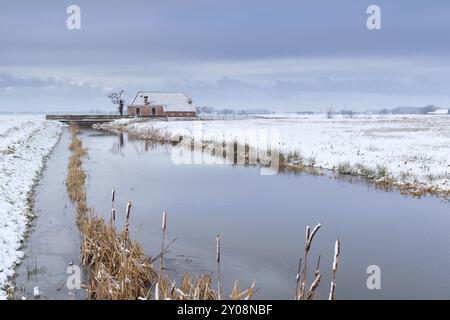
145,100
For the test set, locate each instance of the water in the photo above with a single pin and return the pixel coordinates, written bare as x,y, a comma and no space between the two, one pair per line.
262,221
54,242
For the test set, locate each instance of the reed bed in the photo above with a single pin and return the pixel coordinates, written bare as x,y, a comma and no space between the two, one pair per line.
118,267
200,288
76,177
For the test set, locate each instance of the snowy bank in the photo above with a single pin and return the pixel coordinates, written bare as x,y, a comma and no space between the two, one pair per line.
25,141
409,150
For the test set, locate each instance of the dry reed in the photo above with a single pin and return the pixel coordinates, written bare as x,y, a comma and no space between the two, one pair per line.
219,286
119,268
199,287
337,251
302,292
163,227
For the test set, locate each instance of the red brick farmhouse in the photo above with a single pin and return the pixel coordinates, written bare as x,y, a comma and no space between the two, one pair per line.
161,104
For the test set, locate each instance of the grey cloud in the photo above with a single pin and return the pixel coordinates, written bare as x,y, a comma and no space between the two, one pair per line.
140,31
225,53
7,80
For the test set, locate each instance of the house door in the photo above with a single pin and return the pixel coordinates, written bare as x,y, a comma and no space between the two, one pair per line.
138,112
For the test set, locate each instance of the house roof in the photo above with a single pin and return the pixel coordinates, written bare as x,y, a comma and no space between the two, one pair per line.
170,101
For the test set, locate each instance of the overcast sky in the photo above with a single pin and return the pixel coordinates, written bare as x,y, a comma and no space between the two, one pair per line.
281,55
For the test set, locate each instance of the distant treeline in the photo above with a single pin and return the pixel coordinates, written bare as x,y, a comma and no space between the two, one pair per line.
408,110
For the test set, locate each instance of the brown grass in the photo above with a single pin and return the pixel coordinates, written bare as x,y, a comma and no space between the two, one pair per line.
76,177
118,267
199,288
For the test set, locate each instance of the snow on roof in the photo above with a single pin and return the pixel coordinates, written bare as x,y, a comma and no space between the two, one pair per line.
171,101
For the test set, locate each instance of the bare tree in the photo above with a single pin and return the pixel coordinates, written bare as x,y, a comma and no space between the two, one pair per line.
116,98
348,113
330,113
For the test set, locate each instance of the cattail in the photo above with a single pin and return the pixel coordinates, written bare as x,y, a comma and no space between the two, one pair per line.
157,291
332,289
164,221
337,252
218,249
311,235
113,213
316,282
163,227
127,224
318,263
308,241
299,268
219,286
308,232
128,210
113,217
36,292
314,285
298,278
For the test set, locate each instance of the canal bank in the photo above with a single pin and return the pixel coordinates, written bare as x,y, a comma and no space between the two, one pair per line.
53,244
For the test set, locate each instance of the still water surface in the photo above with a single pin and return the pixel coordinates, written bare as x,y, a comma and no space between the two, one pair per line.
262,221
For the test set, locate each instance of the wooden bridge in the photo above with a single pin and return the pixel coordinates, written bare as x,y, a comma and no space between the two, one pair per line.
84,120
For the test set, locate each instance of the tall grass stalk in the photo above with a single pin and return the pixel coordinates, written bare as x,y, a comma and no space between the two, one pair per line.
163,227
302,291
113,210
337,252
219,285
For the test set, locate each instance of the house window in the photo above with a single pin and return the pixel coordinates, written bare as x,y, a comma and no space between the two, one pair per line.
138,111
153,111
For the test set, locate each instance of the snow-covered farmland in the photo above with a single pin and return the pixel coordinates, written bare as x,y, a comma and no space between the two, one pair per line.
25,141
412,149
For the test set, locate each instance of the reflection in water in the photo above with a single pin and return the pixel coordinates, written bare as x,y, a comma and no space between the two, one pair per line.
139,145
262,221
121,139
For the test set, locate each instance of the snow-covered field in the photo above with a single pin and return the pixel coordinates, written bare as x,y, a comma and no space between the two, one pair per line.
412,149
25,141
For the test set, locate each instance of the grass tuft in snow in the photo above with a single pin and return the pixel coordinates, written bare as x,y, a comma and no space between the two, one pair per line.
382,171
344,168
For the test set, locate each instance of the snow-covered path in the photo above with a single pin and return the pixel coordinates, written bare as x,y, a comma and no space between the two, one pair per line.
25,141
